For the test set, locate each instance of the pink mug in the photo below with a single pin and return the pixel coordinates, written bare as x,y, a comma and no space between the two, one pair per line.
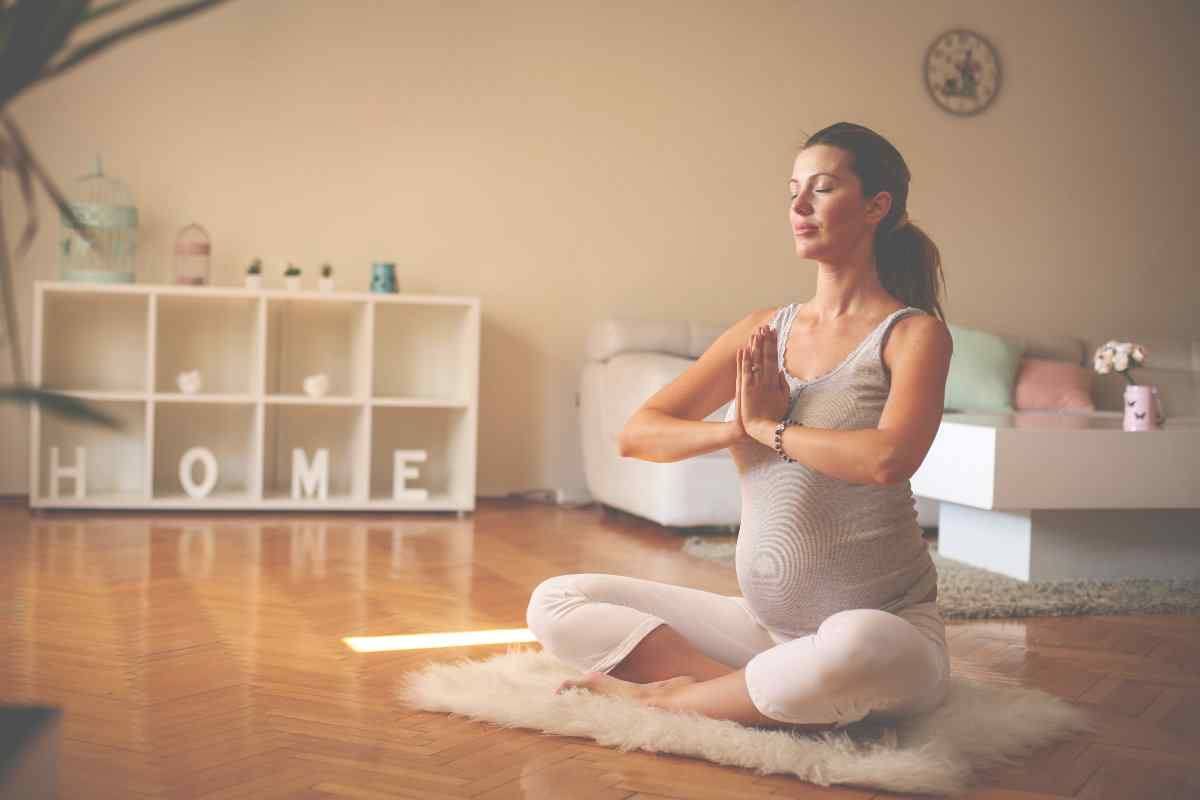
1143,410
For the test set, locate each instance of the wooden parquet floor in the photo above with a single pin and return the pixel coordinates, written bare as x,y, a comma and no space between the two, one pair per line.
201,656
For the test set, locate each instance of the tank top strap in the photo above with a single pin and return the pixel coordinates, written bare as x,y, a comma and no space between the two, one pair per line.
781,323
881,333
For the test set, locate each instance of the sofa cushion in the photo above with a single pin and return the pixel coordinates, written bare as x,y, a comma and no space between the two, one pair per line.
1049,345
983,371
672,337
1047,384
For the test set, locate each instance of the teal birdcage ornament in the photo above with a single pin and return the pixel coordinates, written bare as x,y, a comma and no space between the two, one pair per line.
105,207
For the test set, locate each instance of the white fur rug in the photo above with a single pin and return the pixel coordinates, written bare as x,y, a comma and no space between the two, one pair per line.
978,726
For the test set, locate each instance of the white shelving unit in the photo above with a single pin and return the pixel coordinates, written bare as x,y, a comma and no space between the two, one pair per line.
403,375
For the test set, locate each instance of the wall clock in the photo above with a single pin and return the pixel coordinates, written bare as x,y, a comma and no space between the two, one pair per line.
962,72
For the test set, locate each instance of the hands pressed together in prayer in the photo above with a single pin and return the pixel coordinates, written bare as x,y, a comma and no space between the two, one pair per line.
762,394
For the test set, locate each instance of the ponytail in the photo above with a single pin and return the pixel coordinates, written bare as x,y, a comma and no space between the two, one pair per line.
910,267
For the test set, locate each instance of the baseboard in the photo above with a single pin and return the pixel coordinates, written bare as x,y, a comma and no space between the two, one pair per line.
573,497
557,496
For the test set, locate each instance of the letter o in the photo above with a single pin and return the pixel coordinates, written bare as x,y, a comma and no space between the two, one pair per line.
205,457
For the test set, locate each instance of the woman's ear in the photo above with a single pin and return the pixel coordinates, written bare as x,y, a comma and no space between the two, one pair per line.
878,207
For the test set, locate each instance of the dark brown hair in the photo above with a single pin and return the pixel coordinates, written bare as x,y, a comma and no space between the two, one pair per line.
909,264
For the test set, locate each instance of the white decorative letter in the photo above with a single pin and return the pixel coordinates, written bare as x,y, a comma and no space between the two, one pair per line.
400,471
78,472
315,478
205,457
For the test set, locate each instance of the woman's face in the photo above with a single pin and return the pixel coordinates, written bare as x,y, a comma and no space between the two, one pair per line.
829,215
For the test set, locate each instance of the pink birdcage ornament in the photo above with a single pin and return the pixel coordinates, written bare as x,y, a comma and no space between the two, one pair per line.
193,251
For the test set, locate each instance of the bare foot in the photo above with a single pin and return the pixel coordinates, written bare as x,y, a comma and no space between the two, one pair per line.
599,683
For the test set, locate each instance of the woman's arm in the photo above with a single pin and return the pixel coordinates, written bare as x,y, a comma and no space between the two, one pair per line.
671,425
854,456
652,435
893,451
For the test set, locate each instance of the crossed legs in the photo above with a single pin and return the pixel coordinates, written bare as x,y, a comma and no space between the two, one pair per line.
666,671
683,649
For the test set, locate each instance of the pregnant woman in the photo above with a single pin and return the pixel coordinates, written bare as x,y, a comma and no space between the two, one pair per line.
835,403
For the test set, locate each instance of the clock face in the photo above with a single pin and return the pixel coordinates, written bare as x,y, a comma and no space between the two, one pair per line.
962,72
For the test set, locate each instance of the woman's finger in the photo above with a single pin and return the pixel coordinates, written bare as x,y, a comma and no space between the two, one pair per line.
738,389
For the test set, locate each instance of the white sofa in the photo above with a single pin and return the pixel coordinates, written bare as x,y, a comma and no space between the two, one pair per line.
630,360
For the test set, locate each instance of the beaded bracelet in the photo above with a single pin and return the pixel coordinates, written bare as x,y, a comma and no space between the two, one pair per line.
783,424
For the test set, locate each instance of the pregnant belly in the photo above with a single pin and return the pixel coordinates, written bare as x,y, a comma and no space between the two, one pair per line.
779,579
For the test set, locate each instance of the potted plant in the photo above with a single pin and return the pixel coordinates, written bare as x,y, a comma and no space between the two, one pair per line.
40,41
254,274
326,282
291,277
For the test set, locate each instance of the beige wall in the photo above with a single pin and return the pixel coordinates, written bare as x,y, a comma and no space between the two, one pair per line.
573,161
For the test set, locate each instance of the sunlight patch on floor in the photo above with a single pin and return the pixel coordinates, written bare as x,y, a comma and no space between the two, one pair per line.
430,641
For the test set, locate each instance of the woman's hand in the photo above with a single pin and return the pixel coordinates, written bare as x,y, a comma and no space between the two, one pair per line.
762,394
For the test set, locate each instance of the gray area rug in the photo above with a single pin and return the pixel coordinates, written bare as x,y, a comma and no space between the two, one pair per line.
966,592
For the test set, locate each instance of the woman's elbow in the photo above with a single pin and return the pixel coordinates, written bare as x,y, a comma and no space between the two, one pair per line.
888,477
628,446
625,443
893,468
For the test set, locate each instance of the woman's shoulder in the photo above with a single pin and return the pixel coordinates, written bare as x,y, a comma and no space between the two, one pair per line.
915,330
768,315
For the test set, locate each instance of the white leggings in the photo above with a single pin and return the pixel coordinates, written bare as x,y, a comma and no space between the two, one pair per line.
857,661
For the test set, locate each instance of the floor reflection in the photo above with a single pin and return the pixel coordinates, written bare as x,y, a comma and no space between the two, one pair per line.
124,550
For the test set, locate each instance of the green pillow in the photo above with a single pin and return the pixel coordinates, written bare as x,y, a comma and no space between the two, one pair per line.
983,371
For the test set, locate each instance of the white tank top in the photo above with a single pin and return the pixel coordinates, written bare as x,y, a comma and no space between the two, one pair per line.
810,545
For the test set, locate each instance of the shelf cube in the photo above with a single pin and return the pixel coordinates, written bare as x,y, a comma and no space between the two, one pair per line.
216,335
339,430
115,461
309,337
227,430
94,346
422,351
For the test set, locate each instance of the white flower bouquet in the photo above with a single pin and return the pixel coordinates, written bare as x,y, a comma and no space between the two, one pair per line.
1119,357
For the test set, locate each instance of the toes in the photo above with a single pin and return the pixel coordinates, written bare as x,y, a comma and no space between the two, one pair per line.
588,682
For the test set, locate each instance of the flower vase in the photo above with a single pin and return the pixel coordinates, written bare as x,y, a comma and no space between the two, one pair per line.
1143,410
254,281
292,282
325,284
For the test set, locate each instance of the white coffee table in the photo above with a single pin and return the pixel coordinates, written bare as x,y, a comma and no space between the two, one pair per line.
1057,495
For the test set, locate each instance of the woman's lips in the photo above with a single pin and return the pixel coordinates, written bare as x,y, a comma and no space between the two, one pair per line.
806,229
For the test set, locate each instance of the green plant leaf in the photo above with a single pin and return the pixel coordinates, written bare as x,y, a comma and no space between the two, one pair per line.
58,403
98,11
105,41
38,29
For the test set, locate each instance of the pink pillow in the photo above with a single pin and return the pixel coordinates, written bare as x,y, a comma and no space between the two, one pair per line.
1046,384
